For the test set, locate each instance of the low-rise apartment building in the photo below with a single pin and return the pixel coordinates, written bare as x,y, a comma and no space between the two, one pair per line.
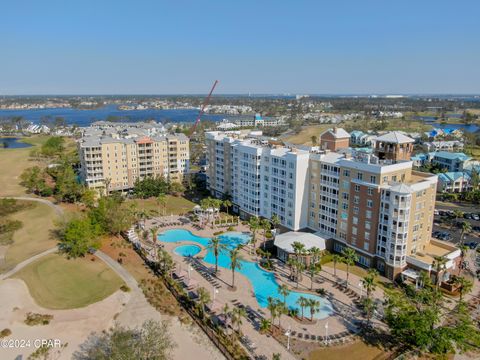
373,203
114,158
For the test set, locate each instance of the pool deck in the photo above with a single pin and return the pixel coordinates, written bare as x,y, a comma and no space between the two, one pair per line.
345,313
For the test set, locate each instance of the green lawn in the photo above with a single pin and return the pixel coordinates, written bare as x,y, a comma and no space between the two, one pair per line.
56,282
34,237
356,270
14,161
175,205
304,137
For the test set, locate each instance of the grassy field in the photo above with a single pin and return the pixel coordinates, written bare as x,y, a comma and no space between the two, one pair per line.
34,237
304,137
357,350
12,163
58,283
174,205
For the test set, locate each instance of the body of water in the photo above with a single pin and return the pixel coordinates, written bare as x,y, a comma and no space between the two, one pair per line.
85,117
12,143
263,282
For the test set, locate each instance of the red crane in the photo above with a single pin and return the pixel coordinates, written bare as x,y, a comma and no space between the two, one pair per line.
202,109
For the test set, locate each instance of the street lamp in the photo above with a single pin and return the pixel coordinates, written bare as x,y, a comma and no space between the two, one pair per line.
360,285
215,291
287,334
189,270
326,333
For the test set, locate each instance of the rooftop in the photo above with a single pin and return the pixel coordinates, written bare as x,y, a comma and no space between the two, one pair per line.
285,241
395,137
452,155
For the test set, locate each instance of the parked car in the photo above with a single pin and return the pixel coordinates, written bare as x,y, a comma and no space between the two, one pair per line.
436,212
475,217
472,245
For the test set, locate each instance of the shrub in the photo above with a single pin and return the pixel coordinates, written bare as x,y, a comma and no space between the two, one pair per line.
125,288
5,333
230,228
33,319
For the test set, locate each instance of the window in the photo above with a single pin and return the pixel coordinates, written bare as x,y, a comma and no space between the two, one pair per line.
355,220
346,173
367,235
368,214
369,203
360,176
370,191
354,230
373,179
357,188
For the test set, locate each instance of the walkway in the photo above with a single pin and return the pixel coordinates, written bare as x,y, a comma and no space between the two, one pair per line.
58,209
24,263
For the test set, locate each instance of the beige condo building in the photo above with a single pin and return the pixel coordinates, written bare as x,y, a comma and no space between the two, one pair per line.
372,202
114,160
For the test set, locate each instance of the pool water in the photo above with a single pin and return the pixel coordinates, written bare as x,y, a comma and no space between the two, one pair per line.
187,250
263,282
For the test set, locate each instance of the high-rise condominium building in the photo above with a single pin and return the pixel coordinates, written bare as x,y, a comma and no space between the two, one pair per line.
262,178
112,158
373,203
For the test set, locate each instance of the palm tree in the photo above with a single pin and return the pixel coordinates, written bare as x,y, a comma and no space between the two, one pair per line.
458,215
216,246
281,310
463,253
237,314
315,254
254,224
299,267
162,201
291,265
439,263
203,299
314,139
313,269
154,232
303,303
272,307
265,325
368,283
227,203
466,228
265,225
350,259
284,291
464,286
314,305
336,259
275,222
368,306
298,249
235,263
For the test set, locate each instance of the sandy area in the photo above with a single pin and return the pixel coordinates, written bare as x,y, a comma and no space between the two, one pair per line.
74,326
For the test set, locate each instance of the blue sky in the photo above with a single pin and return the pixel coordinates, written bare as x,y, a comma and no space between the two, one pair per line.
262,46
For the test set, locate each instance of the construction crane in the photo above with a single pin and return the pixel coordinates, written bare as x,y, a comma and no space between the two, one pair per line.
202,109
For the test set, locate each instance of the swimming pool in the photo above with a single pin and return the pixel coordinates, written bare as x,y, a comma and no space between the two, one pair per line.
187,250
263,282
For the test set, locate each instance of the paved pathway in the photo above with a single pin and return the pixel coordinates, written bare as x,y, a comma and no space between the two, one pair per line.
58,209
24,263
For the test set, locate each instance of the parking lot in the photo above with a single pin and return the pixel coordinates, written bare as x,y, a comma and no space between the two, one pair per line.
447,228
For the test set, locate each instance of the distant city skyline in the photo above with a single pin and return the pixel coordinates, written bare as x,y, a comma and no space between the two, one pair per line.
259,47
